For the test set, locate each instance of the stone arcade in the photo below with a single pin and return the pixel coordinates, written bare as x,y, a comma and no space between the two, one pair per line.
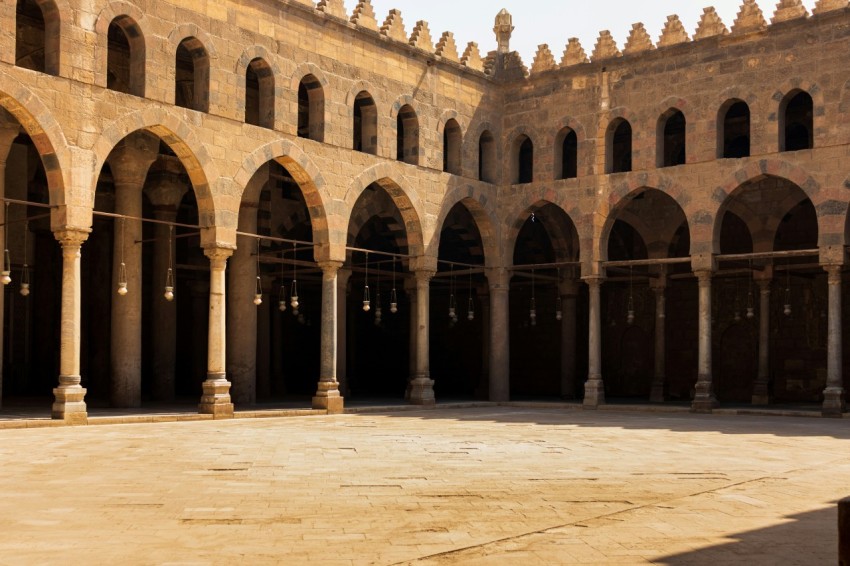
669,220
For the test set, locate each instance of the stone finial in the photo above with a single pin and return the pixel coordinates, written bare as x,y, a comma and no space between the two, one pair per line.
421,37
503,29
710,25
822,6
543,60
750,19
333,8
394,26
447,48
789,10
364,15
606,47
673,33
638,41
574,53
472,57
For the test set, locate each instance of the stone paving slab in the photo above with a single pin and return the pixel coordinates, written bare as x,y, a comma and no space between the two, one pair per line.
466,486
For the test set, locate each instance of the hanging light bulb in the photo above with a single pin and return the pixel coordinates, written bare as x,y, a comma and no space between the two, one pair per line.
281,295
294,291
25,273
378,311
6,274
393,294
559,311
122,269
470,309
630,312
258,291
367,300
452,302
169,275
532,311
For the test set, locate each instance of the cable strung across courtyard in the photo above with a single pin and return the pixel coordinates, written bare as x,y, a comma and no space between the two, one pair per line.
272,201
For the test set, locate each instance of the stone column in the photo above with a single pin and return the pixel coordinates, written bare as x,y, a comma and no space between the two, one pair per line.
761,394
165,193
704,399
129,163
241,311
500,344
484,312
659,287
327,396
594,388
342,277
422,386
410,288
569,293
8,133
833,395
69,404
216,389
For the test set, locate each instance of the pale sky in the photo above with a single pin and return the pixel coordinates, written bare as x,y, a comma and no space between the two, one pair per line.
554,21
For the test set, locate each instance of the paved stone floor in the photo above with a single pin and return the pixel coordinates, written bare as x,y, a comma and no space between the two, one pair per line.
472,486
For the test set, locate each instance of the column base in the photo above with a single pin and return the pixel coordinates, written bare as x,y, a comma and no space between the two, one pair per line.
328,399
761,395
594,393
216,398
704,399
761,399
833,402
656,395
68,404
422,392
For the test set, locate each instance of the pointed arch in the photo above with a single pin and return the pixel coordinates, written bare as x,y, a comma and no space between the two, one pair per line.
477,203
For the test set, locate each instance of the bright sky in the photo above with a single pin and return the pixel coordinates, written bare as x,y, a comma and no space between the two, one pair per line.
554,21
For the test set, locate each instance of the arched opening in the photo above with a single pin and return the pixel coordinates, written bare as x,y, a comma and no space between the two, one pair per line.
378,342
672,139
796,122
648,225
487,157
407,135
773,217
259,94
459,310
311,109
125,59
524,160
566,154
37,36
619,145
452,139
547,306
365,124
192,76
734,129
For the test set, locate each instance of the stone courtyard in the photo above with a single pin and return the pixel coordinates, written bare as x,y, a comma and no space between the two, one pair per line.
489,485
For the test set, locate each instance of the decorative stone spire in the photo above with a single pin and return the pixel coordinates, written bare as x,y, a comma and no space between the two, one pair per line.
364,15
543,60
710,25
574,53
829,5
606,47
447,48
394,26
750,19
472,57
332,8
421,37
638,41
789,10
503,29
673,32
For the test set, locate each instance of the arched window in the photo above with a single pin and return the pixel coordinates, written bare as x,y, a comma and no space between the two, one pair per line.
407,135
487,157
311,109
796,127
734,130
566,154
125,59
259,94
671,139
619,145
192,76
525,160
451,147
365,124
37,36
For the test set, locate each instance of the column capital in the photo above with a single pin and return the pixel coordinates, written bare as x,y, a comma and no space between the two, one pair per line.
764,285
166,190
704,276
330,267
833,273
424,275
499,278
218,253
593,280
71,237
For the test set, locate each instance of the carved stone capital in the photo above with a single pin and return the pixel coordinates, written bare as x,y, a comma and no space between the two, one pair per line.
71,237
